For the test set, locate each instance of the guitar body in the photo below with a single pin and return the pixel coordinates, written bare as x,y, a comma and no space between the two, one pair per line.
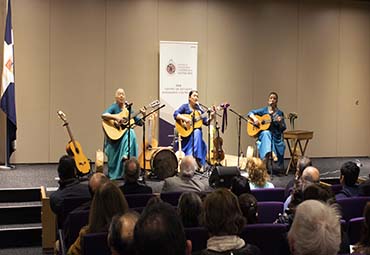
114,131
149,149
74,149
265,122
185,129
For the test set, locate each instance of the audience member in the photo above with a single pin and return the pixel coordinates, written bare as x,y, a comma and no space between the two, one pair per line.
121,233
131,176
363,246
184,182
349,172
69,185
258,175
224,221
107,202
240,185
159,232
302,163
189,209
315,229
249,208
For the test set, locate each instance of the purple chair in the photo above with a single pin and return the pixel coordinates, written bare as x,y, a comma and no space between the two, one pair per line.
336,188
269,194
355,226
138,200
352,207
270,238
76,220
198,237
95,243
268,212
171,197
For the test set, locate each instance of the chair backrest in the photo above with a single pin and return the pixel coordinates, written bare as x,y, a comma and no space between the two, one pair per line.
95,243
69,204
269,211
270,238
352,207
355,226
138,200
269,194
336,188
171,197
198,237
74,223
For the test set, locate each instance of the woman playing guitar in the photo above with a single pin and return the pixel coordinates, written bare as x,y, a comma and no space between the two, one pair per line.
270,141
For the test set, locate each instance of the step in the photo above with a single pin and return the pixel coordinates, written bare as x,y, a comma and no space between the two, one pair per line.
20,194
20,213
20,235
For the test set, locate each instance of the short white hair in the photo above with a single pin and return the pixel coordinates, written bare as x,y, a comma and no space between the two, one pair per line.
315,229
188,166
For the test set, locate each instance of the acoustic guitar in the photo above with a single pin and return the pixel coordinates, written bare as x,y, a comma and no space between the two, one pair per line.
74,149
116,130
151,143
265,122
185,129
179,153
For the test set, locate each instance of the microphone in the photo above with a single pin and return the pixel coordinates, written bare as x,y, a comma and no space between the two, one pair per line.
224,105
127,104
198,105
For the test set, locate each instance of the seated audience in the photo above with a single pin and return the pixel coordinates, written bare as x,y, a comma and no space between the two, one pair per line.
349,172
189,209
363,246
131,176
240,185
159,232
184,182
69,185
249,208
258,175
121,233
107,202
302,163
315,229
224,221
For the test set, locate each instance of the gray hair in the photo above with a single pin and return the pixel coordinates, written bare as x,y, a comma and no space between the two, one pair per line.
188,166
315,229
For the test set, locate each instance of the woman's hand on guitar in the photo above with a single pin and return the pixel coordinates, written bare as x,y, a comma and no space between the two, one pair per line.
143,110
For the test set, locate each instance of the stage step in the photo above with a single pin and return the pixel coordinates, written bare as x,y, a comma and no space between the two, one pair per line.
20,195
20,213
20,235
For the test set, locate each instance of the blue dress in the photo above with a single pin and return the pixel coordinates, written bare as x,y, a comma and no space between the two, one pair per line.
200,148
271,139
117,149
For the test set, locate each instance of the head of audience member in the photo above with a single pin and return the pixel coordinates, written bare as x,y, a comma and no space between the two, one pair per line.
95,181
132,170
221,213
318,192
310,175
66,168
349,173
248,206
240,185
189,209
302,163
107,202
121,233
159,231
188,166
315,229
257,171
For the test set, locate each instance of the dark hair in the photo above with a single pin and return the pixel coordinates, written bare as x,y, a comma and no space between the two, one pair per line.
350,172
131,174
248,206
116,240
318,192
159,231
191,92
189,209
222,214
302,163
240,185
66,168
274,93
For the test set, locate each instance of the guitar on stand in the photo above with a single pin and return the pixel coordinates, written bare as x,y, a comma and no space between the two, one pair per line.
150,144
179,153
74,149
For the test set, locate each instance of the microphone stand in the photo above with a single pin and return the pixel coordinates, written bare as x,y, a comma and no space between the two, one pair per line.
240,118
129,130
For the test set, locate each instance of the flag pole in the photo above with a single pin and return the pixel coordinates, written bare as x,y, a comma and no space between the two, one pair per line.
6,165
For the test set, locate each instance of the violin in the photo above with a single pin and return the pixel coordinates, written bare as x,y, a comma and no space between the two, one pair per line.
218,153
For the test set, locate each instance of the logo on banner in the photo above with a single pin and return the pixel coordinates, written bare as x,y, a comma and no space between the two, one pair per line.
171,68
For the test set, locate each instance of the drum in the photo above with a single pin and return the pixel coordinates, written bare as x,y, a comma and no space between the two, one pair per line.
163,163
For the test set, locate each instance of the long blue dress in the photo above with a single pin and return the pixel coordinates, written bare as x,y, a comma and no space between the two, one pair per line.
117,149
272,138
200,148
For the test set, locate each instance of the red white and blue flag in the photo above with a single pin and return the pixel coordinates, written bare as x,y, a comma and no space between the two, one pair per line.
8,86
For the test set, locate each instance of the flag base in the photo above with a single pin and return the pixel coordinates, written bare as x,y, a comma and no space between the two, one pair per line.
7,167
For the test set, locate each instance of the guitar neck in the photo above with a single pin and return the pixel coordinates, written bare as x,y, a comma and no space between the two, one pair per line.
70,134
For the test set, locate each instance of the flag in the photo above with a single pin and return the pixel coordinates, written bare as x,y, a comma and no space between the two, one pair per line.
7,86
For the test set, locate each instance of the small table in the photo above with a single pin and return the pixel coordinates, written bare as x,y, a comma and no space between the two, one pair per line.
296,136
